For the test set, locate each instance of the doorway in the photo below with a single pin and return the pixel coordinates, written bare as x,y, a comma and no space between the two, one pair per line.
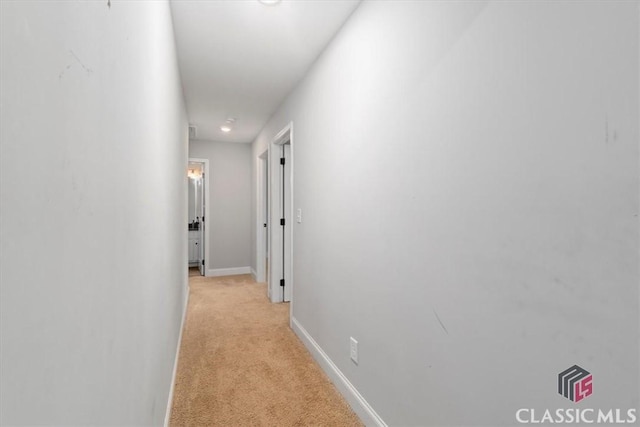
198,254
280,230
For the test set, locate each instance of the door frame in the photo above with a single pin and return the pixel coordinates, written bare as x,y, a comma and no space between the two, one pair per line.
275,232
263,215
207,211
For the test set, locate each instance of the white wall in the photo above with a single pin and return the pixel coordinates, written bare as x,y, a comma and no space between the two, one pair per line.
93,194
228,228
468,174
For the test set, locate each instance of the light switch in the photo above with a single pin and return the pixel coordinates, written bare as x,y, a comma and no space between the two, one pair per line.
299,215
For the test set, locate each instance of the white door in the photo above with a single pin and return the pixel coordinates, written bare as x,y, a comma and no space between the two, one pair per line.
287,267
201,263
281,217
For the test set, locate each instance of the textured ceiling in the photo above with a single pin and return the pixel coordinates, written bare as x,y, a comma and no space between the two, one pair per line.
240,58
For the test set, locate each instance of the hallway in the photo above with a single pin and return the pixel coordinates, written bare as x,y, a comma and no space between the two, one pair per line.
448,190
241,364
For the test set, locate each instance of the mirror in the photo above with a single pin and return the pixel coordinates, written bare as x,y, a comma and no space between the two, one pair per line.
196,198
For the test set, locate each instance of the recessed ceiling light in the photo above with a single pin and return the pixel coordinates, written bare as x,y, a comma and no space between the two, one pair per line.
226,127
269,2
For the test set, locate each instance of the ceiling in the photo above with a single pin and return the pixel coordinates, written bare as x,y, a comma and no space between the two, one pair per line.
240,58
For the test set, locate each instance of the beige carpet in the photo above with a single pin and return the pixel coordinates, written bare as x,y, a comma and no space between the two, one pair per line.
241,365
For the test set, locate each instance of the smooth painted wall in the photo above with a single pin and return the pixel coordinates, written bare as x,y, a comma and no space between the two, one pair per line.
468,176
228,228
93,252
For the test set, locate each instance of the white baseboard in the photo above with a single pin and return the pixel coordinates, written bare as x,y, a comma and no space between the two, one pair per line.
216,272
359,405
167,416
254,274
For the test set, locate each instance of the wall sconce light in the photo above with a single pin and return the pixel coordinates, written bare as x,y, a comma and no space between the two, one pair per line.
194,174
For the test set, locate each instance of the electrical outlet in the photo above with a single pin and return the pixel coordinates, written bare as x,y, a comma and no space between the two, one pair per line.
354,350
299,215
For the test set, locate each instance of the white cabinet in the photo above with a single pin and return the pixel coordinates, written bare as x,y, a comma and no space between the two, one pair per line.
194,247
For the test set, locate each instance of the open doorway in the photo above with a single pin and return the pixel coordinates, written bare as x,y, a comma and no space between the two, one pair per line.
198,173
280,231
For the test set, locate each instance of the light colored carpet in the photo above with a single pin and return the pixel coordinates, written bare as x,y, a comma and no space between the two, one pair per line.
241,365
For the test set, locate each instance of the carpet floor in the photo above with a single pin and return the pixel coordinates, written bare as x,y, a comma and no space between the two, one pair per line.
241,365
